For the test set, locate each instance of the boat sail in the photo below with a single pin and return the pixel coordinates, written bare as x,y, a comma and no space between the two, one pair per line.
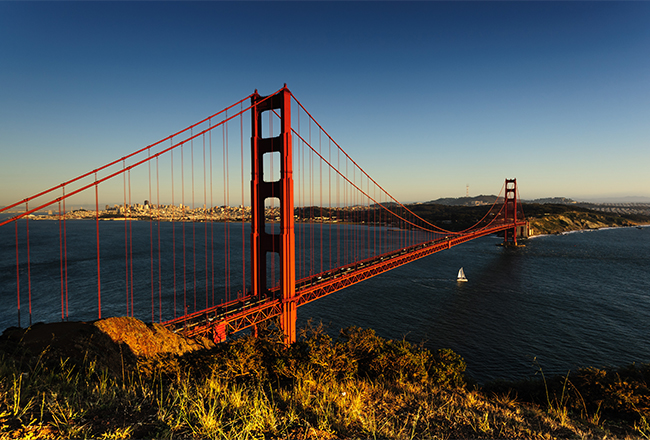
461,275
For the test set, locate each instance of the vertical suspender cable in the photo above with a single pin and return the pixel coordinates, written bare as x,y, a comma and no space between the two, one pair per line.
225,212
227,203
173,228
296,183
320,187
338,209
329,200
227,165
311,206
301,198
193,218
183,231
61,260
346,217
223,204
65,255
205,224
358,233
272,179
158,226
29,268
17,273
212,208
130,245
150,240
126,242
374,222
296,195
355,216
99,278
368,230
243,229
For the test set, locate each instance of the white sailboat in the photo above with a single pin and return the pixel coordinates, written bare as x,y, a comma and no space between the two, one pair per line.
461,275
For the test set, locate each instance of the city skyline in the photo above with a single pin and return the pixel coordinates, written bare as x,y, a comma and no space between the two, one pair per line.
428,97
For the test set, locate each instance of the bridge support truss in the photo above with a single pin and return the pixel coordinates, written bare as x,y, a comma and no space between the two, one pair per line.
263,242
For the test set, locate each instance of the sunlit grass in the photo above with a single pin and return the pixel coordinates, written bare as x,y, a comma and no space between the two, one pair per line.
354,386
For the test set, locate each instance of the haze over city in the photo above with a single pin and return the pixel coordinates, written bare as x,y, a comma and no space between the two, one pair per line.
427,97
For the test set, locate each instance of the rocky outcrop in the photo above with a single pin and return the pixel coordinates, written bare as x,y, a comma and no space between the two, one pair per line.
113,343
149,339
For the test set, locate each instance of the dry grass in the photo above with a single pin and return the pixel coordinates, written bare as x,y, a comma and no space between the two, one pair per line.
149,340
354,386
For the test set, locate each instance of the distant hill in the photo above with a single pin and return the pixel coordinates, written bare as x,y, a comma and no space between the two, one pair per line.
465,201
618,200
555,200
488,200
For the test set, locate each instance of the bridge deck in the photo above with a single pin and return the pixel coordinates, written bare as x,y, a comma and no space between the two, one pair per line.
237,315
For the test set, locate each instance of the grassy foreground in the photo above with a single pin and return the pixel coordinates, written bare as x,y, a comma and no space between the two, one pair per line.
355,386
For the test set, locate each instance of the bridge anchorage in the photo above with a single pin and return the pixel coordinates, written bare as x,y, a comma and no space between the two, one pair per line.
335,226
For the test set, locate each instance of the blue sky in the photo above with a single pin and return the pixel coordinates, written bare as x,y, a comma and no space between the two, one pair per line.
427,97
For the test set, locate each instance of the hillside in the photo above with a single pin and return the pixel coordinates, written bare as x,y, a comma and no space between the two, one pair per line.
121,378
544,218
556,218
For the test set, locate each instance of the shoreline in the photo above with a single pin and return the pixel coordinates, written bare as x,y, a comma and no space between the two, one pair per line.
604,228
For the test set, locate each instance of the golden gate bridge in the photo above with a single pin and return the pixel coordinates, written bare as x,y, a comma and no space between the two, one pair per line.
297,219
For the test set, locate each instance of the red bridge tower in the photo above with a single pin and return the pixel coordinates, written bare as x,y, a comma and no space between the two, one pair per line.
510,237
263,242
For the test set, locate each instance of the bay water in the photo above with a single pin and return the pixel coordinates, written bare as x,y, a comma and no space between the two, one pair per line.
559,303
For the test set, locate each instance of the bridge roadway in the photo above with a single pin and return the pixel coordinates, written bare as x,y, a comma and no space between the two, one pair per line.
236,315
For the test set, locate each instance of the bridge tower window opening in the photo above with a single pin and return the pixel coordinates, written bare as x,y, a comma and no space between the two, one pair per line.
271,121
272,209
271,162
273,269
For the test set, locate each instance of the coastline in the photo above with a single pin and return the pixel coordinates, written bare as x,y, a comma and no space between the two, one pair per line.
604,228
555,224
